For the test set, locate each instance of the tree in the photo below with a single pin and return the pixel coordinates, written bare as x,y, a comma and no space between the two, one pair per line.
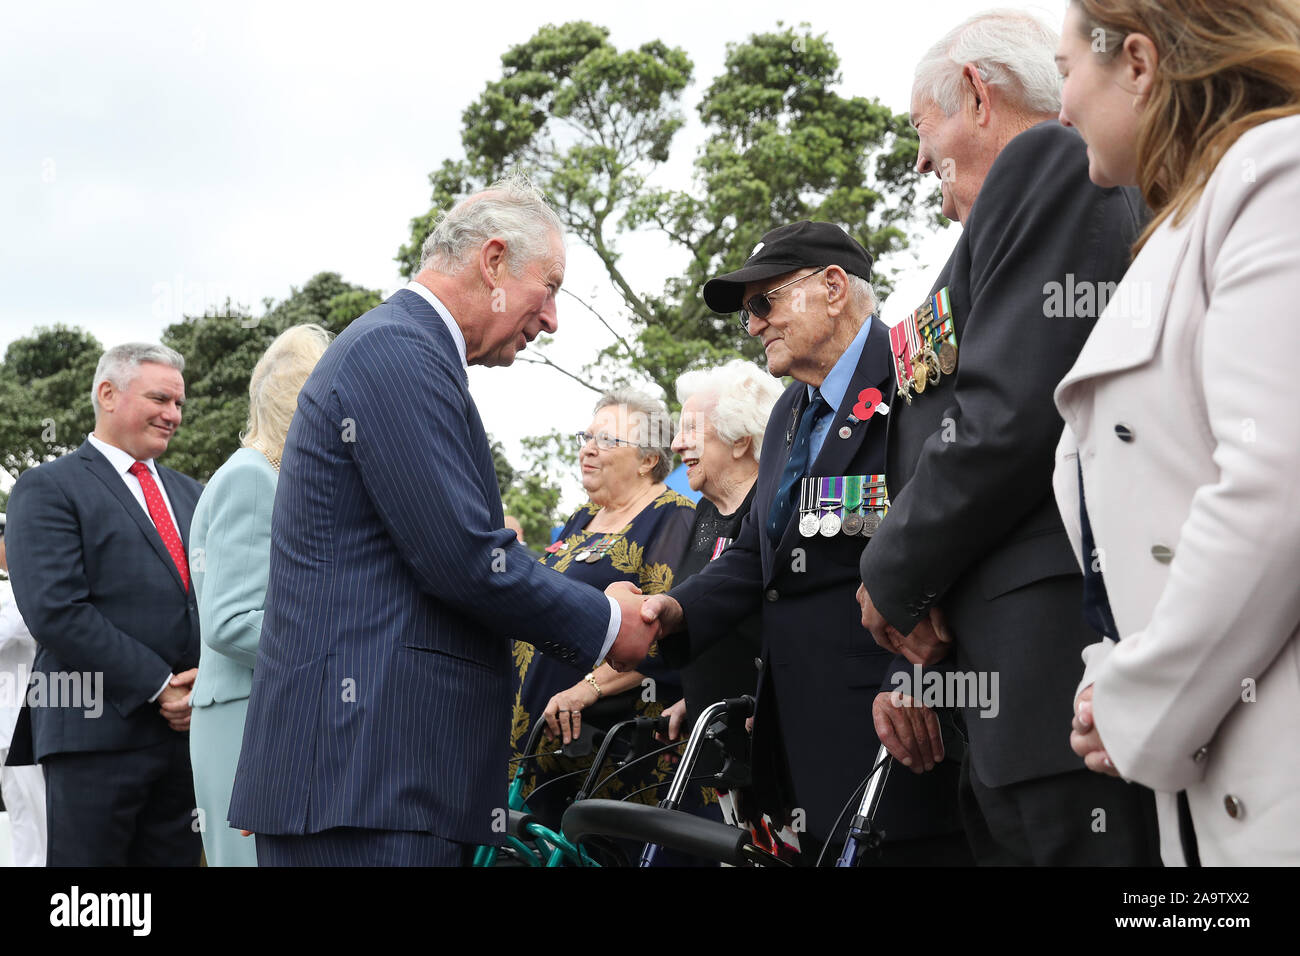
45,379
45,382
592,125
220,351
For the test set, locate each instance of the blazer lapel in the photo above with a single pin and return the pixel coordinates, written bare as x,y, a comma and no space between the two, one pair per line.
791,532
98,466
1128,332
873,371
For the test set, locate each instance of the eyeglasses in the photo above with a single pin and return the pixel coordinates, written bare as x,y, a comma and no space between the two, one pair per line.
604,440
760,305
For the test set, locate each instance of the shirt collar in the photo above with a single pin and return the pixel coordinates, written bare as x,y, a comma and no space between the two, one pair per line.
840,376
424,292
120,460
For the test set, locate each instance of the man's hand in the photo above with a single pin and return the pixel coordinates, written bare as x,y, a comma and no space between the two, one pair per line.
635,635
665,611
928,643
675,714
174,701
563,714
1084,738
909,731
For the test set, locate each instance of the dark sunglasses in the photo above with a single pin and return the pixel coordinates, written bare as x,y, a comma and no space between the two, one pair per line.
760,305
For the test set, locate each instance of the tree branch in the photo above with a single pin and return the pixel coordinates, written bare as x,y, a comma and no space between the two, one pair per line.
541,359
586,305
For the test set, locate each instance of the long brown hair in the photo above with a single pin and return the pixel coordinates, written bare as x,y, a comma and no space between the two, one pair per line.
1225,66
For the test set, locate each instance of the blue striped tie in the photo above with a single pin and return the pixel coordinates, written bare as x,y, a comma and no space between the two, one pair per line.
796,466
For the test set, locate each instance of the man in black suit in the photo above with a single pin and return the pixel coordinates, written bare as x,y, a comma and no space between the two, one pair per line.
101,575
805,290
972,565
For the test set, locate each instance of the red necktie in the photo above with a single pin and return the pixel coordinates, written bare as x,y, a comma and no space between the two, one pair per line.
162,520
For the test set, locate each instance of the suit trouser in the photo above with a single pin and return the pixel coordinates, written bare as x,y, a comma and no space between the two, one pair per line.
355,846
1076,818
23,790
122,807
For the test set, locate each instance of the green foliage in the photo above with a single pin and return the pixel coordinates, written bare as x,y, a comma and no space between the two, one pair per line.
592,124
45,384
46,377
220,351
530,493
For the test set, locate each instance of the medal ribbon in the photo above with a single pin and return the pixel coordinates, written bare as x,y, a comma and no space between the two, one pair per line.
852,494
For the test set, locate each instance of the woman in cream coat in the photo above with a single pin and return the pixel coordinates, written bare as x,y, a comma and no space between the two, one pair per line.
1183,420
230,555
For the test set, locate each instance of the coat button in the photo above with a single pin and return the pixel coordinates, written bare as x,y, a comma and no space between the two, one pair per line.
1234,807
773,594
1162,554
1124,432
758,663
1200,755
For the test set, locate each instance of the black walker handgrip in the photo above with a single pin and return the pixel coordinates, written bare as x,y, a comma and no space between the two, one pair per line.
670,828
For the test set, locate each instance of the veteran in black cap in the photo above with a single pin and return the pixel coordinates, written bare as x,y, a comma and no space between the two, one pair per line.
806,292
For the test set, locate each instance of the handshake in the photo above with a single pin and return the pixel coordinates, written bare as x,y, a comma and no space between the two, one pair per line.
645,620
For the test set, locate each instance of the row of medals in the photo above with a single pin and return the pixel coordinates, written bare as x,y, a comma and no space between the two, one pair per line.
929,366
828,525
592,553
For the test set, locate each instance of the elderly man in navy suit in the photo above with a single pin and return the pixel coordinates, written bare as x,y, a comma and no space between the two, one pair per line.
378,724
822,489
98,541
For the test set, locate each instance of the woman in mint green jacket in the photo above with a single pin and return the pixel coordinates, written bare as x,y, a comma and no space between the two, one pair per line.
230,555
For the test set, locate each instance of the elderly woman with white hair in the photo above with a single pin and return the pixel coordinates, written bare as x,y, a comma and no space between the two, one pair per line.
230,556
634,528
724,415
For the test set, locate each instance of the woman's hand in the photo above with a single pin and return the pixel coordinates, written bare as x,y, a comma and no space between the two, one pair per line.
1085,740
563,714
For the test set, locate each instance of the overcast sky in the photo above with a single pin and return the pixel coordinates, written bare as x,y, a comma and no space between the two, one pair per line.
163,156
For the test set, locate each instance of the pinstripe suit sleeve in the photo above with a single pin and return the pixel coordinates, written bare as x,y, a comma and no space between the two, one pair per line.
413,447
237,555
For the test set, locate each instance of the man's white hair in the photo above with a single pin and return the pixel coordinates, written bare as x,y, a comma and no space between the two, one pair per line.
1012,50
864,293
120,364
745,396
512,210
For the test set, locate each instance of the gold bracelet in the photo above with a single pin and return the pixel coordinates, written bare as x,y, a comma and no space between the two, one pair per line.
591,679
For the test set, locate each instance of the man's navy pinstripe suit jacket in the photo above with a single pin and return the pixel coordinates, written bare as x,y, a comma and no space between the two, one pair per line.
381,693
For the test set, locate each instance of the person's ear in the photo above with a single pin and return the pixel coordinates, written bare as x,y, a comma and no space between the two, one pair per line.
741,447
107,395
977,93
837,290
1140,61
492,262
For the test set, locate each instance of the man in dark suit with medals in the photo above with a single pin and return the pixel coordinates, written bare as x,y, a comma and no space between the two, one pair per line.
821,490
972,567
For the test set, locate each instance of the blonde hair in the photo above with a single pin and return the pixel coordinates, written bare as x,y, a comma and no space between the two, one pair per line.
1225,67
277,379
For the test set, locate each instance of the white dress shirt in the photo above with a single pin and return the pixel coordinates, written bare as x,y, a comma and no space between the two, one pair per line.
444,313
122,462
